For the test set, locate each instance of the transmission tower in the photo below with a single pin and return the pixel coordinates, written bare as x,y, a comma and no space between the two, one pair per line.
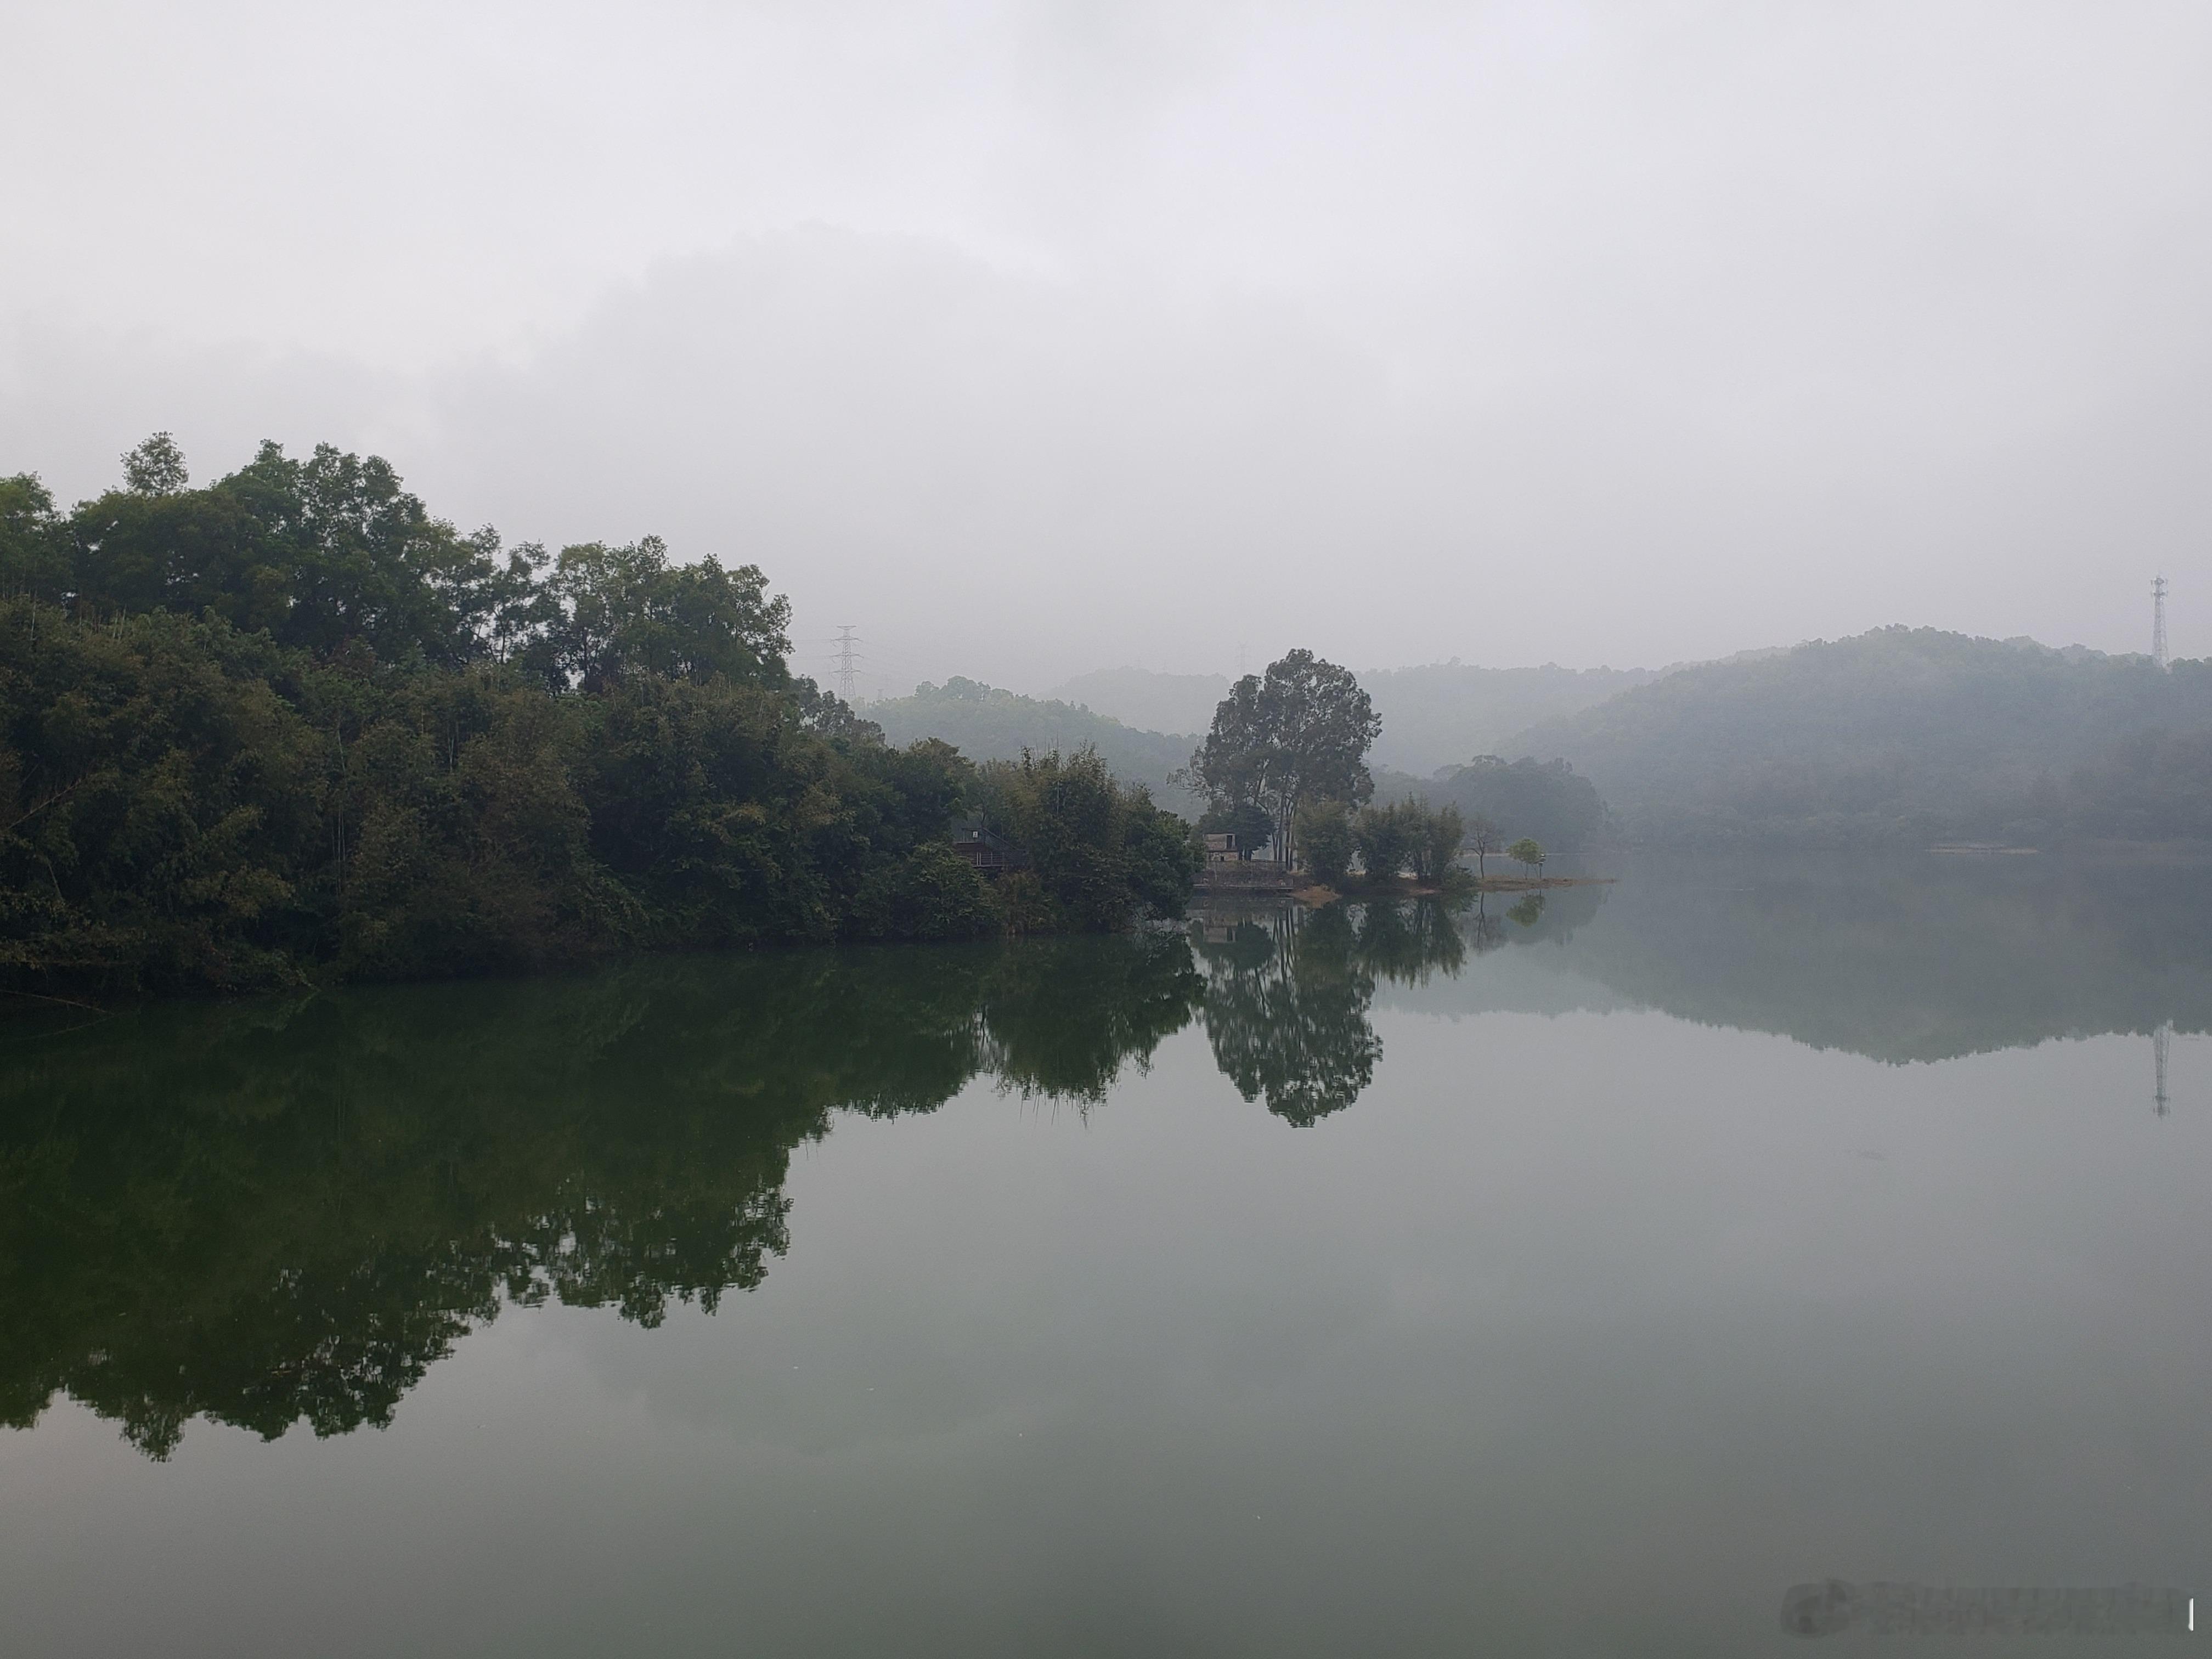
2159,1040
848,661
2158,620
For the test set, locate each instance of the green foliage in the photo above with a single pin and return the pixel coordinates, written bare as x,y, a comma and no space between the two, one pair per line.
156,467
1406,835
988,724
1325,834
1543,800
1437,839
1296,734
1386,837
162,806
291,725
613,611
1526,853
1904,738
34,556
1246,820
1098,855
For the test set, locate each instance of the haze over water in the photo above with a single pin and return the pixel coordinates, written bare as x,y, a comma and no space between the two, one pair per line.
1572,1278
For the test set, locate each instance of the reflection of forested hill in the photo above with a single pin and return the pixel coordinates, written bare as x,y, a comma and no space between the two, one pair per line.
1921,957
269,1213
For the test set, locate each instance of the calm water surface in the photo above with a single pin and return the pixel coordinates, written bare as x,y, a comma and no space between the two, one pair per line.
1571,1278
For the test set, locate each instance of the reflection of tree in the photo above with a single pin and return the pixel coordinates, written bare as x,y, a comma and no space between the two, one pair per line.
1288,990
1408,943
1529,911
1064,1017
272,1213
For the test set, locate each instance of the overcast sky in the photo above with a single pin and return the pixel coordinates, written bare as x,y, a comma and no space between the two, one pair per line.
1031,339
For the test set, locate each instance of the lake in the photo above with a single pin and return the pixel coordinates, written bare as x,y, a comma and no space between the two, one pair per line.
1571,1275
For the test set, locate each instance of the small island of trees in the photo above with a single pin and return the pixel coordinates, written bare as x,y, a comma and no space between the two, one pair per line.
1286,762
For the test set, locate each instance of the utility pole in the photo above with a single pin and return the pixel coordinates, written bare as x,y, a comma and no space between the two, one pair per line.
847,660
2158,620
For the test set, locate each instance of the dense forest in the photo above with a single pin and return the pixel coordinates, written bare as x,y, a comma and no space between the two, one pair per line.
292,724
986,724
1903,737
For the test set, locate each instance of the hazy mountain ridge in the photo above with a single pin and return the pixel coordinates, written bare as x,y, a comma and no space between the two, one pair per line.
1899,736
1434,715
985,722
1440,714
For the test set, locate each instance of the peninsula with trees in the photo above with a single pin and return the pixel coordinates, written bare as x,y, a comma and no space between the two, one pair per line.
291,726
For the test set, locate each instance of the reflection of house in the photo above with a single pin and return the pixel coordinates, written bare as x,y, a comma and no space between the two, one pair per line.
983,847
1221,849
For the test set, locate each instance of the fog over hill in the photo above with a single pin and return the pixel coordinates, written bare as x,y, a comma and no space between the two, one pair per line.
986,723
1902,736
1140,697
1446,714
1434,716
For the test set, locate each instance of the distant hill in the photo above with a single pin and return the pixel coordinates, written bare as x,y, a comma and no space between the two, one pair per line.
985,723
1901,737
1151,702
1437,715
1446,714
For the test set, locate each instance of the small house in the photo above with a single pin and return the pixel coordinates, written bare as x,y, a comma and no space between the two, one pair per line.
987,851
1221,849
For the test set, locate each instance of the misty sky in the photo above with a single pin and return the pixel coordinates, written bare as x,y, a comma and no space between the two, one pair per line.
1037,338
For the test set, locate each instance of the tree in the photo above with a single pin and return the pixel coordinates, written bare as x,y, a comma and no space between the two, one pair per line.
1526,854
156,467
1386,837
1246,820
34,545
1231,765
1482,840
1546,799
1098,854
629,610
1301,732
1325,832
1437,843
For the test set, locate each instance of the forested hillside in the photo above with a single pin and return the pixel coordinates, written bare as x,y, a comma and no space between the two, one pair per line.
1903,737
293,724
985,724
1445,713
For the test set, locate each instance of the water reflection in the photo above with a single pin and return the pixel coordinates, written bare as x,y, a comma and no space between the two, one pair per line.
283,1213
1288,990
1913,958
272,1213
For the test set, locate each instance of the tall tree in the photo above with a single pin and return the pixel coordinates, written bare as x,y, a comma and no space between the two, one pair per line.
1482,840
1299,733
